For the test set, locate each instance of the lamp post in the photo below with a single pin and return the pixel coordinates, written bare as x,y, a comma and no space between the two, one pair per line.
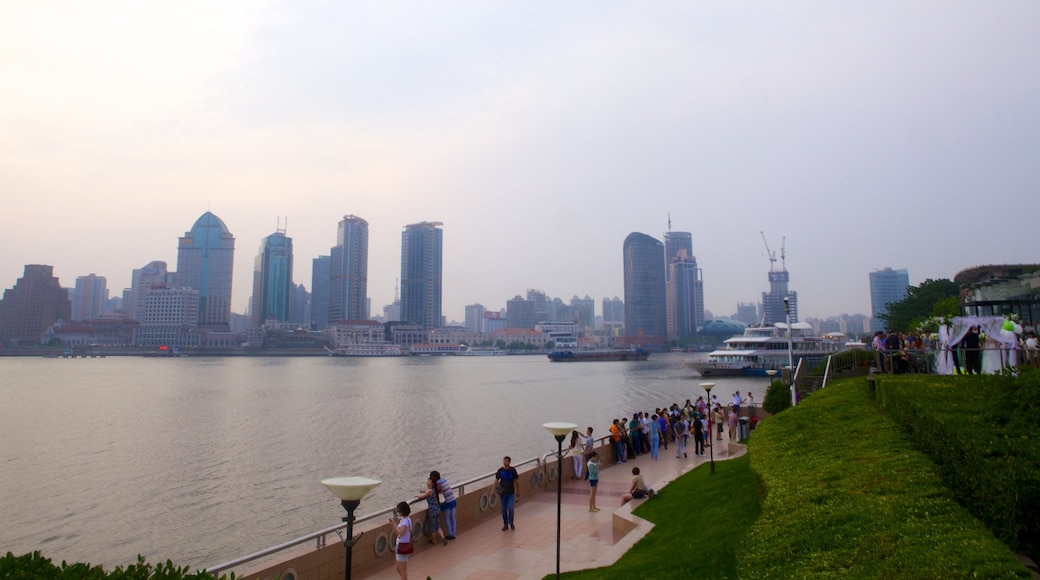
707,388
349,490
559,431
790,348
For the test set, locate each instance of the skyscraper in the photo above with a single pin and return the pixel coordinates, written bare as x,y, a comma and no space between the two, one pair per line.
272,280
348,271
886,286
320,268
685,292
421,277
675,242
152,275
205,260
645,312
91,294
36,301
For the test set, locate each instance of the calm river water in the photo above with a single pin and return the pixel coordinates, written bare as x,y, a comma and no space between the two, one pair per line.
202,460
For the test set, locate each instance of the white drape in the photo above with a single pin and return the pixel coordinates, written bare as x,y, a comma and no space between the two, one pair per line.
999,350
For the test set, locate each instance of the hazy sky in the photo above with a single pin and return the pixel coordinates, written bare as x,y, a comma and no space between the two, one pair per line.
870,134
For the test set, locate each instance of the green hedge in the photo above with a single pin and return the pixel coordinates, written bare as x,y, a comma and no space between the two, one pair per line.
983,433
847,496
37,567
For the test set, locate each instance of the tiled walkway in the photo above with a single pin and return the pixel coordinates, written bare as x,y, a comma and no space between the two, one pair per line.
588,540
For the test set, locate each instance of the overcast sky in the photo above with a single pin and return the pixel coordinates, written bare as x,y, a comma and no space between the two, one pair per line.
869,134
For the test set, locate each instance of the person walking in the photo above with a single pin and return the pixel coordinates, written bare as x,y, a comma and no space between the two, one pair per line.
506,476
448,506
402,531
593,471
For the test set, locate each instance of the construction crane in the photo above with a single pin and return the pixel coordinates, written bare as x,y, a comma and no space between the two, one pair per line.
769,252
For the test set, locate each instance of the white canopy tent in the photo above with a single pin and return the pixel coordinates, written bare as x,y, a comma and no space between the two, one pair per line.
998,351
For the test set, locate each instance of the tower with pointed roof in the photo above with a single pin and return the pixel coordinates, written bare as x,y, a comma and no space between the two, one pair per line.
205,260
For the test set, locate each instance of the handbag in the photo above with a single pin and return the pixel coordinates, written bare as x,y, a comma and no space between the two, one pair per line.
405,548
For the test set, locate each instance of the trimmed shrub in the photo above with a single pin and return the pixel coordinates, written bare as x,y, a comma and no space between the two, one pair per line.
36,566
983,434
778,397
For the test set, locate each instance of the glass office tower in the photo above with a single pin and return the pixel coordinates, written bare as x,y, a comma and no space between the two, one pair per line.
272,280
205,260
421,278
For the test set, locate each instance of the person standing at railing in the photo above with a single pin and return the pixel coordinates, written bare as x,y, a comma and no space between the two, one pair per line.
589,448
432,527
448,506
577,454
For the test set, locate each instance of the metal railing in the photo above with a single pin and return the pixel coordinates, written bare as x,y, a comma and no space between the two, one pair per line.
320,537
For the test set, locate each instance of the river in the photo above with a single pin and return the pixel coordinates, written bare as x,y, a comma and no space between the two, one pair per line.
202,460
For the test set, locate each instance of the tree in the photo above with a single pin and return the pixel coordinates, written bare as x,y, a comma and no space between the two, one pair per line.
932,297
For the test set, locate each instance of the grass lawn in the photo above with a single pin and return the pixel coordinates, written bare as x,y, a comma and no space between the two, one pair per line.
700,521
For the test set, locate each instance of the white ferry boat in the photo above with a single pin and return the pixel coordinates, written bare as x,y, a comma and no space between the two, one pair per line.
763,348
367,349
482,351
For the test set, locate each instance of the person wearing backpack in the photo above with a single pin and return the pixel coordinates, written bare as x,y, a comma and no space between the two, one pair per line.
680,428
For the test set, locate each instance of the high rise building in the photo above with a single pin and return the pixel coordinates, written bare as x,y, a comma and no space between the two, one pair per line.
348,271
205,261
645,311
780,298
36,301
152,275
886,286
272,280
584,310
685,297
90,296
421,274
613,310
320,268
170,318
475,317
300,306
675,242
520,313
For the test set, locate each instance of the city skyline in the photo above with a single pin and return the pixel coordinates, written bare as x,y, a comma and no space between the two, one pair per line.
539,134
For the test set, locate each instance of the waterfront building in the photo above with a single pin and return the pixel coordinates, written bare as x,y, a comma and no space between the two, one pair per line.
685,297
613,310
584,312
205,261
458,335
152,275
1002,289
512,337
886,287
170,318
645,312
89,297
406,334
272,280
354,332
348,271
494,321
520,313
36,301
475,317
320,268
94,332
421,274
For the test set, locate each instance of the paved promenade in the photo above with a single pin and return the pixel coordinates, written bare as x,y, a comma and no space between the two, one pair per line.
588,539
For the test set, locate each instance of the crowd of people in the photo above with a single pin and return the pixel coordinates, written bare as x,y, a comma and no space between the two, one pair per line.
899,349
644,434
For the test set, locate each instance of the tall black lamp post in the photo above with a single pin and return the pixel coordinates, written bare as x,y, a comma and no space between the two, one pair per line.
349,490
707,388
560,432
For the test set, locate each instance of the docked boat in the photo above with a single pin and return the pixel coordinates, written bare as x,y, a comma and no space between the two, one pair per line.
598,355
367,349
764,348
482,351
